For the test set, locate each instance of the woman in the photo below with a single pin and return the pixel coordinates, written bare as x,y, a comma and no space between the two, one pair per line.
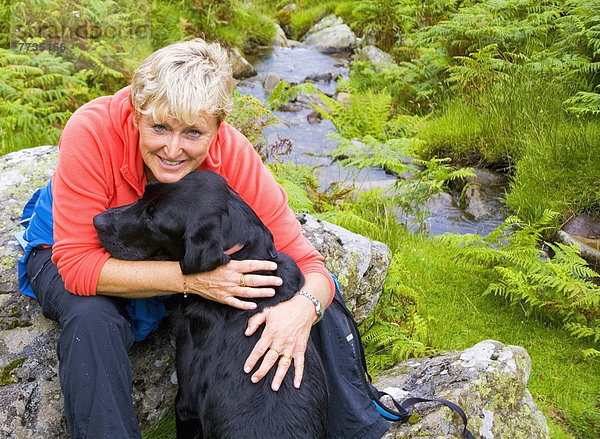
169,122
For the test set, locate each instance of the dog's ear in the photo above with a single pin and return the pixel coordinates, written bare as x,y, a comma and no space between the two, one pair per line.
204,247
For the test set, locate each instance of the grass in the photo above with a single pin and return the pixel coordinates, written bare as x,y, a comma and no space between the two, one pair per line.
558,170
565,387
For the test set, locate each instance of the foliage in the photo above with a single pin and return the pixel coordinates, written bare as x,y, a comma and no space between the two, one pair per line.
584,103
478,72
105,37
557,287
395,331
251,117
302,19
558,168
4,23
231,22
168,24
414,86
299,183
429,179
38,94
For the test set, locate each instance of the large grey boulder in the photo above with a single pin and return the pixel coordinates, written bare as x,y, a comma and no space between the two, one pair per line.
359,263
488,381
374,55
30,394
331,35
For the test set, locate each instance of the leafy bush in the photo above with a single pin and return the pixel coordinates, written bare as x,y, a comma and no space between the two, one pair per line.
231,22
251,117
558,288
38,94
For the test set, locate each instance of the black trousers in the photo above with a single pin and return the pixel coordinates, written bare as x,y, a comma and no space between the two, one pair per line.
95,370
94,367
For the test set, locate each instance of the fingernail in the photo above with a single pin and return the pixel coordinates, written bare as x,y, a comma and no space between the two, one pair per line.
297,384
254,380
275,387
246,369
247,331
279,281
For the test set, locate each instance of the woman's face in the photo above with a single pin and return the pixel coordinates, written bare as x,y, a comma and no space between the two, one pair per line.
173,149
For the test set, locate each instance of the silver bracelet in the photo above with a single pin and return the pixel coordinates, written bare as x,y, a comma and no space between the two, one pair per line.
315,301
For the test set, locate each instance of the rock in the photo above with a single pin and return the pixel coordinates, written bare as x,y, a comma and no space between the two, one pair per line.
584,226
270,81
329,21
313,118
484,177
374,55
331,35
479,201
488,381
583,231
280,39
284,17
441,201
359,263
342,97
30,393
319,77
240,67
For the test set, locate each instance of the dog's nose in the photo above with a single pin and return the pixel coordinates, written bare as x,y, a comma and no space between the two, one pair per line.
101,222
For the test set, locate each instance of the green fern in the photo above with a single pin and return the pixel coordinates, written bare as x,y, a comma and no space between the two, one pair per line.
251,117
477,72
38,93
395,331
584,103
557,288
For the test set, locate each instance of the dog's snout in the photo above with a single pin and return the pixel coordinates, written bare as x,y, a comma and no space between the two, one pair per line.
102,222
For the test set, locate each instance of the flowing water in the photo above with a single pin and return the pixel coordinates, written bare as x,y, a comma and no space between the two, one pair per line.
312,147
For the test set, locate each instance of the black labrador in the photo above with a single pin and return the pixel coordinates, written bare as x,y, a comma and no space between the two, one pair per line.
194,221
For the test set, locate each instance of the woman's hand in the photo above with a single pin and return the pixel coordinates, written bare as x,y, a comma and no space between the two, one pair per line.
226,284
285,337
286,333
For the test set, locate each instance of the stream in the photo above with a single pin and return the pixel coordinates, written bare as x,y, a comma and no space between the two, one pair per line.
312,147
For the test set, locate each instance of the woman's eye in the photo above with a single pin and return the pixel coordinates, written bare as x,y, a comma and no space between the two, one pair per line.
194,133
159,128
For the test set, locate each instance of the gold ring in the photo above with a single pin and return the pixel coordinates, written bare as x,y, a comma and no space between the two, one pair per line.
287,356
242,280
276,351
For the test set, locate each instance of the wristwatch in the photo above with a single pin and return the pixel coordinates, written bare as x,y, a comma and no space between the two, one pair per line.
315,301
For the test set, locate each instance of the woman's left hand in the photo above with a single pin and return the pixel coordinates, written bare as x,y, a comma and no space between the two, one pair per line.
285,337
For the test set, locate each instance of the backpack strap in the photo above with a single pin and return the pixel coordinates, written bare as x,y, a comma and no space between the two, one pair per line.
403,408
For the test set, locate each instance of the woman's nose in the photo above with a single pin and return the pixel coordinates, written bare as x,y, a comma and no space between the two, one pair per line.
171,147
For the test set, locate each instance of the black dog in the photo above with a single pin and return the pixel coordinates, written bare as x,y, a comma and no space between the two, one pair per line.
194,221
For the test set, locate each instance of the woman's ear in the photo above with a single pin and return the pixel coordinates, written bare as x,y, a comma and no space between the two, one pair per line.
136,117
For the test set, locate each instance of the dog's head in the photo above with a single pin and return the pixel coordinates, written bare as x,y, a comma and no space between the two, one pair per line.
192,221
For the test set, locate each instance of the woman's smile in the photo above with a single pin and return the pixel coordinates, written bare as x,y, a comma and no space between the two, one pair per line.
172,149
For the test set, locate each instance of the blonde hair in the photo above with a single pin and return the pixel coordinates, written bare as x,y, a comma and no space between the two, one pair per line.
183,81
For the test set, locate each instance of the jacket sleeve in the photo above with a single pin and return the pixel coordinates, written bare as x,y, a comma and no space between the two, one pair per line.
79,189
253,181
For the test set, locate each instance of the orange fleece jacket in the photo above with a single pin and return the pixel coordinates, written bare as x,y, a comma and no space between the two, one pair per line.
100,166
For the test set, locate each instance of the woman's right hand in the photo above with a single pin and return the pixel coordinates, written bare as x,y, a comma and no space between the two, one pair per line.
229,283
